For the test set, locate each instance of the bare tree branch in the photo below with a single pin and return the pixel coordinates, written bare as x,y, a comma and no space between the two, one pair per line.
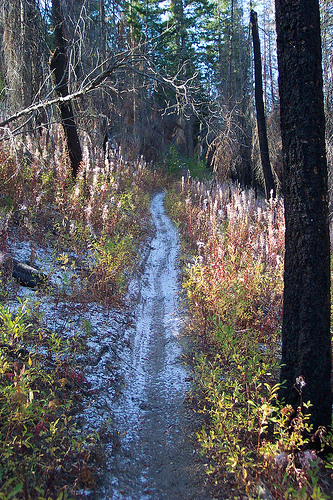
115,64
121,61
180,87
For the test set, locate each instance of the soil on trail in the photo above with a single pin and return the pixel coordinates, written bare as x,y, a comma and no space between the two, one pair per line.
152,457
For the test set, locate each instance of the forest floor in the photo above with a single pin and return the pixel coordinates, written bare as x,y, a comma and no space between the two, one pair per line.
154,456
134,377
145,363
96,387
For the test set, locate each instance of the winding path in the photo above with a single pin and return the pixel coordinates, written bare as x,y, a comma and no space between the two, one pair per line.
153,458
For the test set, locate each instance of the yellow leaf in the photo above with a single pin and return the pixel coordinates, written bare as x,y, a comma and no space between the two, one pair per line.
53,404
29,361
63,382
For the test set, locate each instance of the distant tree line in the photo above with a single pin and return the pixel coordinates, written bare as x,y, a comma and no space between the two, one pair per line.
206,45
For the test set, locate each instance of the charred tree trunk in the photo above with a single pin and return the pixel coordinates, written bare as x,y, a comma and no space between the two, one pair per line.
60,72
306,339
261,120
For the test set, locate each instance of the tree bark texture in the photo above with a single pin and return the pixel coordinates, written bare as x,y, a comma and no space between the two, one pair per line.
261,120
306,340
102,31
60,71
21,45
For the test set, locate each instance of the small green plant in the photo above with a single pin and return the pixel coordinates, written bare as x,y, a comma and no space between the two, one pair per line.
198,169
177,164
13,326
37,394
173,162
112,259
9,205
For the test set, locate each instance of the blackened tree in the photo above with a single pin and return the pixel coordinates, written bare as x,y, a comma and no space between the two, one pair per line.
261,119
306,340
59,67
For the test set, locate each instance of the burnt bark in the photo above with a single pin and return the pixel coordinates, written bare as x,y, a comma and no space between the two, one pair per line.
60,71
306,339
25,274
261,120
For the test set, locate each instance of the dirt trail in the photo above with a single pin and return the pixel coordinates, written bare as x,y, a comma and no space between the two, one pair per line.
153,458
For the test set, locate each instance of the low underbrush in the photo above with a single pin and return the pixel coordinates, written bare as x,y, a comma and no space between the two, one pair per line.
101,218
42,453
85,238
233,277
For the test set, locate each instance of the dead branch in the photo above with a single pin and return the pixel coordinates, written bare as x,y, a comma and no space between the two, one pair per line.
115,64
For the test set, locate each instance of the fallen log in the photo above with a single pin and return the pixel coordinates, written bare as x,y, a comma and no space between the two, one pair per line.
25,274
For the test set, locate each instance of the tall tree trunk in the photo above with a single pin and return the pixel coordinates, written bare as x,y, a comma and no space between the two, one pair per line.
177,8
306,339
271,72
22,48
60,71
102,30
261,120
231,82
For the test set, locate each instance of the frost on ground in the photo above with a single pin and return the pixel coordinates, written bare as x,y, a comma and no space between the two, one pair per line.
136,383
152,457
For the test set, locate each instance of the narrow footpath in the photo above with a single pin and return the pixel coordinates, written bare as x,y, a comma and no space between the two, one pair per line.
154,458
